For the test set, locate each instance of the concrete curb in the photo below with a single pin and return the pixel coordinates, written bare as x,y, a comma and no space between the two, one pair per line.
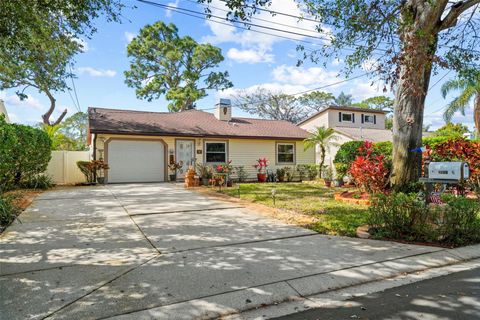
247,299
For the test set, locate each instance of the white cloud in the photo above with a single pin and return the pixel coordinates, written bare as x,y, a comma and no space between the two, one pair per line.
270,86
304,76
370,65
249,56
14,100
250,39
363,89
435,119
97,72
337,62
168,13
83,44
129,36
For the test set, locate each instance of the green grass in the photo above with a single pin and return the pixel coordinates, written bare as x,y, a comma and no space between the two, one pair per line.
328,216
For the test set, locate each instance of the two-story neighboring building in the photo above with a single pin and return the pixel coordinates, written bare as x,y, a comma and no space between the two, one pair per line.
349,123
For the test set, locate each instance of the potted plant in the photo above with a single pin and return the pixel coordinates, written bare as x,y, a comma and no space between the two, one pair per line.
225,170
261,167
328,176
341,169
288,174
173,167
301,169
101,167
281,174
205,173
242,175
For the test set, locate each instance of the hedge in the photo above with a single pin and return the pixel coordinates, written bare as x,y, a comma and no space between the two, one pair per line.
348,151
24,153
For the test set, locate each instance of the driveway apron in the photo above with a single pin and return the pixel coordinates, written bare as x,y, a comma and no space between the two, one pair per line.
135,250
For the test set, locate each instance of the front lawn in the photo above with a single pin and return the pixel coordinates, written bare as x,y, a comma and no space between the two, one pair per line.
314,200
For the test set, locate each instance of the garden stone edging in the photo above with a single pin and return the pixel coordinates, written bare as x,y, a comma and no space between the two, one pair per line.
231,303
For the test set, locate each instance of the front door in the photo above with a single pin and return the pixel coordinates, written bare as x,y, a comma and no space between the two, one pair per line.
185,156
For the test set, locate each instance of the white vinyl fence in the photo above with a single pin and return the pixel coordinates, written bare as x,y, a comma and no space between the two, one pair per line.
63,166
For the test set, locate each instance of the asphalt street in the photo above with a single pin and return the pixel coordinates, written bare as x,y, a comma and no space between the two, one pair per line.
455,296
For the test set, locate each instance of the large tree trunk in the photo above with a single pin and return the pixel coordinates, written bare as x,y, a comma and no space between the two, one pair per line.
407,132
420,42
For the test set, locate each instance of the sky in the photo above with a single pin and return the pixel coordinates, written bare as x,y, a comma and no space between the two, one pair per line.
252,60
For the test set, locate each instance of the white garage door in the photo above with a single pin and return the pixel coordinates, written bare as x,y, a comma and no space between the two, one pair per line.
136,161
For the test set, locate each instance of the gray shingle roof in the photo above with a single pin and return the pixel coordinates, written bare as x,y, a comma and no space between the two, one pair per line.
188,123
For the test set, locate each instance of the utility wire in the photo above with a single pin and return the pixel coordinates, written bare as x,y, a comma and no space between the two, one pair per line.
77,105
206,16
309,90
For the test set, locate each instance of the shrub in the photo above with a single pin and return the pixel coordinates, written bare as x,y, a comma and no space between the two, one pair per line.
312,171
302,170
399,216
370,172
341,170
7,210
41,181
289,173
459,221
24,153
241,173
280,174
348,152
90,168
403,216
384,148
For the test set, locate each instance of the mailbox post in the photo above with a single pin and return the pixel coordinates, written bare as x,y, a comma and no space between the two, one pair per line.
443,173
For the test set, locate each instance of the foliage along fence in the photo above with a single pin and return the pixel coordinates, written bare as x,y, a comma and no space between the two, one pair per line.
24,153
63,166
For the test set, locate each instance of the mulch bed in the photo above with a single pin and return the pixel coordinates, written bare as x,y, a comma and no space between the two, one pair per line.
353,197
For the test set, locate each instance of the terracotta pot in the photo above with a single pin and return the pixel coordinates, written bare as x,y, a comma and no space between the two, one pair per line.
262,177
328,183
281,179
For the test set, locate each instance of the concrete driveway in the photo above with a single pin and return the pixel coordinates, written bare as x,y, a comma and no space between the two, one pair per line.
143,251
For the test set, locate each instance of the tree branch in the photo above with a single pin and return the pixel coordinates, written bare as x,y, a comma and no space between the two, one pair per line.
457,9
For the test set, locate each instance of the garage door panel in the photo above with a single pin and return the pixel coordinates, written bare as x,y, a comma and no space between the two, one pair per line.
136,161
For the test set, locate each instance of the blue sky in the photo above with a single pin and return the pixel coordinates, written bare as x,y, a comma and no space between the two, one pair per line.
252,59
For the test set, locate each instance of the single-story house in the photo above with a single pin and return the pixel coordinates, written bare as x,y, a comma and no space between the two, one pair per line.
138,145
349,123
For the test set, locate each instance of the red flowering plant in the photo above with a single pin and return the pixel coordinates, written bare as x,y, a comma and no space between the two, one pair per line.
224,168
369,170
261,165
462,150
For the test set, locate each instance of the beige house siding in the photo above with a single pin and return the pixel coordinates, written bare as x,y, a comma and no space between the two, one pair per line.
318,121
333,120
242,152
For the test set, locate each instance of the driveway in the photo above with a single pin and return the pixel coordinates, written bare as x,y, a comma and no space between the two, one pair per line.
142,251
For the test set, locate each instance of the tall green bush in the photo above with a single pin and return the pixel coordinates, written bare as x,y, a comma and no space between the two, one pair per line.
24,153
348,152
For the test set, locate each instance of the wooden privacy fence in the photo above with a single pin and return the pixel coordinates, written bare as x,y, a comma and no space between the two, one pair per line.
63,166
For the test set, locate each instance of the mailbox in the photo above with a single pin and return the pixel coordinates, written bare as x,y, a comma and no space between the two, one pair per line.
456,171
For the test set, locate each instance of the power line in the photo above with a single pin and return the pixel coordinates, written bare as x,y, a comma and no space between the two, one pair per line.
309,90
165,6
77,105
205,16
208,6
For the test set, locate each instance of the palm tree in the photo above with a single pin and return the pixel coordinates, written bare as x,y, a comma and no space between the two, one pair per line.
469,89
343,99
323,137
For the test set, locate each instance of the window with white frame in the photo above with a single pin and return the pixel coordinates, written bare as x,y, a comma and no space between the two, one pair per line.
368,118
285,153
347,117
215,152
